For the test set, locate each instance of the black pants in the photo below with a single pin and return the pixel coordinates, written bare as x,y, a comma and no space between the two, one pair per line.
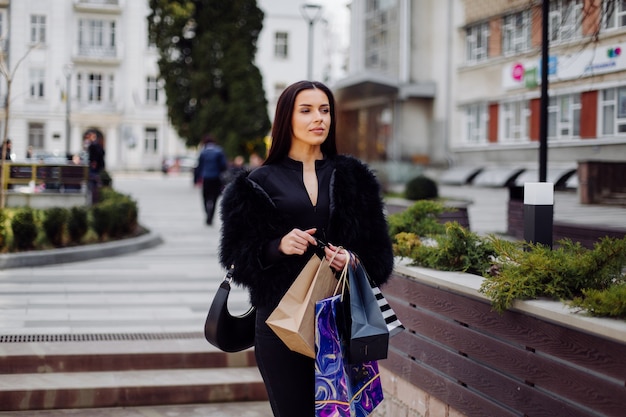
211,189
289,377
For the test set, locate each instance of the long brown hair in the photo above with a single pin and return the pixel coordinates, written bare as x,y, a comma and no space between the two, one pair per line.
282,129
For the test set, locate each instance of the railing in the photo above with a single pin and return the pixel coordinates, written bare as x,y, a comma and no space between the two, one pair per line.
49,178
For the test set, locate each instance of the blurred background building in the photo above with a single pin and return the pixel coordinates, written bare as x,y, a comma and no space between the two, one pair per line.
456,84
449,85
84,64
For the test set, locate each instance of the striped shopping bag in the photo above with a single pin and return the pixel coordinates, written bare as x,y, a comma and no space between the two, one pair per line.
393,323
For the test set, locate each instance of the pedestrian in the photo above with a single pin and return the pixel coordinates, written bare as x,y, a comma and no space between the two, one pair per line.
96,154
211,164
272,216
7,150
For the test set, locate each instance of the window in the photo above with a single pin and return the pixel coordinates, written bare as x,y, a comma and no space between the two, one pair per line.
613,14
79,86
37,28
515,121
281,43
476,118
515,33
112,39
36,135
97,37
380,26
150,142
94,87
564,117
37,81
565,20
613,108
152,90
477,43
111,84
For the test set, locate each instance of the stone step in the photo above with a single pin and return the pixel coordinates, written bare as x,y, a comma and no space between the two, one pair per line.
45,375
61,390
230,409
97,356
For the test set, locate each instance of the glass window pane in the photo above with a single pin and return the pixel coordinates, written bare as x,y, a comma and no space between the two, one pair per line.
608,120
552,125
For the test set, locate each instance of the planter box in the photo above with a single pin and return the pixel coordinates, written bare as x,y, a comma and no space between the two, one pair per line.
457,213
538,359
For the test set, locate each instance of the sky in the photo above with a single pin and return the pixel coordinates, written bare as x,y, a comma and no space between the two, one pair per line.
338,17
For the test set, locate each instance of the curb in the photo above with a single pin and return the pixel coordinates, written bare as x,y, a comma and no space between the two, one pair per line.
81,253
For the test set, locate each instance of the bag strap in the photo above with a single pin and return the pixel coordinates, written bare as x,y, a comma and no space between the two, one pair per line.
343,277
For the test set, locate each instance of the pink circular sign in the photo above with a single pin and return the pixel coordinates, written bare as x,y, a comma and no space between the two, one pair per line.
518,72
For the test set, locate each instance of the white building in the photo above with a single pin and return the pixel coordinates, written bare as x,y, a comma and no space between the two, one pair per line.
283,44
99,48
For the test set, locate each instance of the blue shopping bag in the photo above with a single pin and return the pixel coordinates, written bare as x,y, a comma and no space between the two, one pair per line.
341,389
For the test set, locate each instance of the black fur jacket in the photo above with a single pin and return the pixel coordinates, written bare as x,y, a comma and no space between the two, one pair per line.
250,220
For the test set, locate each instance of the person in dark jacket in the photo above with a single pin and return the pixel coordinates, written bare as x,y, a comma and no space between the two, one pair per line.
96,153
272,215
211,164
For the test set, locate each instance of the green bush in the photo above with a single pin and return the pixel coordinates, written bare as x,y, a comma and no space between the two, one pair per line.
525,271
54,223
115,215
3,230
77,224
421,188
420,219
594,280
102,219
24,228
457,249
610,302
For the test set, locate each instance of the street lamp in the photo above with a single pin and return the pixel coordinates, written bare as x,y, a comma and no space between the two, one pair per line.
67,70
311,13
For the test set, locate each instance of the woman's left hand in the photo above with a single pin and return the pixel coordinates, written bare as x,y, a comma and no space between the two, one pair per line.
340,259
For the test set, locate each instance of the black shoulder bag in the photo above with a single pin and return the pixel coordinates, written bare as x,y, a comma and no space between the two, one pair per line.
225,331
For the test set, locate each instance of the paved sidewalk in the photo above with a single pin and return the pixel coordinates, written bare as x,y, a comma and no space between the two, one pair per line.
165,289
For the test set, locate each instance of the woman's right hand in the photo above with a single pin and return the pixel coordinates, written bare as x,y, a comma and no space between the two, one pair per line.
297,241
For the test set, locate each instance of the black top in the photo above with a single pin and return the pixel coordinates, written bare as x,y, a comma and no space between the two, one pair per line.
284,184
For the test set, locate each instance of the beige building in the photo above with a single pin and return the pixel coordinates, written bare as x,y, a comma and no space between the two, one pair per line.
457,83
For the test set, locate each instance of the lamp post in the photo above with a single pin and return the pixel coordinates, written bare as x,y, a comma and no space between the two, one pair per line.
311,13
67,70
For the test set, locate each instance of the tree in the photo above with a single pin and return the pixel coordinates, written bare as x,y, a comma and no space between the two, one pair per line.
207,50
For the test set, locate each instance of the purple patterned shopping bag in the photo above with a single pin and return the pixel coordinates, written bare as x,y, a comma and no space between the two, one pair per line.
341,389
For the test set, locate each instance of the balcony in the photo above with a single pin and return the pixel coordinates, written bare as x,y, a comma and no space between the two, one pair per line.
105,55
98,6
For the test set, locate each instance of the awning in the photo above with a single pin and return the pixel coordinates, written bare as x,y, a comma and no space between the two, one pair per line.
497,176
371,84
459,175
556,176
365,84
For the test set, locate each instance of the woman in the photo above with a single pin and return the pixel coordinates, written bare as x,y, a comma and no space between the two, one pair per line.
272,216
